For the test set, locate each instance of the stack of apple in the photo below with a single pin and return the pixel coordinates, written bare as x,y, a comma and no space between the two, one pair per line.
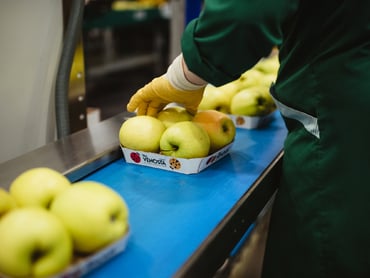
247,96
175,132
46,221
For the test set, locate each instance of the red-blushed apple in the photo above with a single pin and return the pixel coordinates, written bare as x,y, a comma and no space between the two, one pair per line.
34,243
185,140
141,133
95,215
174,114
219,126
38,187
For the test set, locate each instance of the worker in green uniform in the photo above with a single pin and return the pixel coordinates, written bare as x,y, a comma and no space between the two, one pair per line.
320,223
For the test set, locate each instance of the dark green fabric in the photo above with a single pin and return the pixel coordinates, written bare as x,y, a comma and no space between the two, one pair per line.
228,37
320,224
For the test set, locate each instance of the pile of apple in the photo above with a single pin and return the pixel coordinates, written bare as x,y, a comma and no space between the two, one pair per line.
46,222
247,96
177,133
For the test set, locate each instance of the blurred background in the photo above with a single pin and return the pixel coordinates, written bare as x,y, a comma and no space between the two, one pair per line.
69,64
125,46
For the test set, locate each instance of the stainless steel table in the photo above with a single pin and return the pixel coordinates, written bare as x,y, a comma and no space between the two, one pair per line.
182,225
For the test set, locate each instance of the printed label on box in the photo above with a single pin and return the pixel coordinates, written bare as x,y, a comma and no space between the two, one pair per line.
169,163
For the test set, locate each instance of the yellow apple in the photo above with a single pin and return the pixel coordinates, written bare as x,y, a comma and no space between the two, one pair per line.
38,187
251,102
141,133
251,78
219,126
268,65
185,140
267,80
34,243
94,214
230,89
174,114
7,202
216,99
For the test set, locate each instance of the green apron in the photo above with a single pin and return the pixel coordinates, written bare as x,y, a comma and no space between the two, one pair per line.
320,225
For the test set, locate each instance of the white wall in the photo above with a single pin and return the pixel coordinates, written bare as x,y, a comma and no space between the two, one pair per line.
30,45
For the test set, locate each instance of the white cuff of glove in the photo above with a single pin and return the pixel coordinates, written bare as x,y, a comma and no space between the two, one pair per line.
176,76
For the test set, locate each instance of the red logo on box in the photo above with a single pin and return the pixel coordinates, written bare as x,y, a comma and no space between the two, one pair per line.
211,159
135,157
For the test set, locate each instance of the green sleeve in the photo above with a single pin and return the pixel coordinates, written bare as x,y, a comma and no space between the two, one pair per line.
230,36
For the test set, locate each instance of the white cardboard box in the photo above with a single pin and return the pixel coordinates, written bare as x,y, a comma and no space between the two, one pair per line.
88,263
251,122
173,164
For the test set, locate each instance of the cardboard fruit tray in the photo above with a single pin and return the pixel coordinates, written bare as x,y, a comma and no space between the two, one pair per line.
247,122
81,265
174,164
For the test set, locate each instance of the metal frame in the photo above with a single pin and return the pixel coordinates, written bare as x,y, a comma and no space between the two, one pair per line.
75,155
213,252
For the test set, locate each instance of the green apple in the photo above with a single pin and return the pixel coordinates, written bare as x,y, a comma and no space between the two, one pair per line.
250,102
7,202
94,214
216,99
38,187
141,133
34,243
219,126
185,140
174,114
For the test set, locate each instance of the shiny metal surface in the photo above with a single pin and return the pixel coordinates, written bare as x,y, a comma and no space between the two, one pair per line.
75,156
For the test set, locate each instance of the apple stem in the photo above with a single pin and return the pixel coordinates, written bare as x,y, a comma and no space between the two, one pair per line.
48,204
174,147
261,101
113,217
36,255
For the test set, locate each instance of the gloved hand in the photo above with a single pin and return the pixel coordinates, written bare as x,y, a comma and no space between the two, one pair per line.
154,96
179,85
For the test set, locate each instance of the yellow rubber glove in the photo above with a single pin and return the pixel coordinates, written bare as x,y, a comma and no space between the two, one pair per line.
154,96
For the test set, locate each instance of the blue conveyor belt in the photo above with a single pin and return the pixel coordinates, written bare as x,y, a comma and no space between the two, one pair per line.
171,214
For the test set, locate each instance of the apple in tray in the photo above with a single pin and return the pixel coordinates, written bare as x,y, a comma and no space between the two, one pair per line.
185,140
219,127
7,202
38,187
174,114
34,243
141,133
215,98
252,102
94,214
176,134
45,221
